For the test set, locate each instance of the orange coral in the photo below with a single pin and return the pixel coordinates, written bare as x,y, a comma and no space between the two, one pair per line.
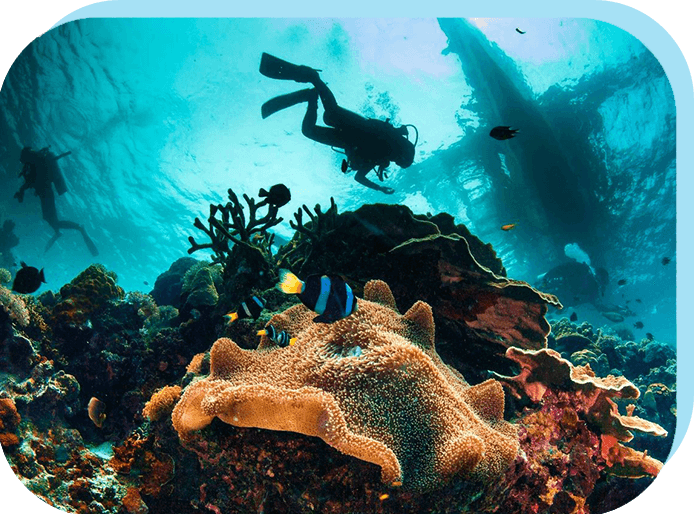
161,402
370,385
9,421
545,369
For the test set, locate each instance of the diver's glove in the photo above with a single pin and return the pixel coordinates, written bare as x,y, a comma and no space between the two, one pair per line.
387,190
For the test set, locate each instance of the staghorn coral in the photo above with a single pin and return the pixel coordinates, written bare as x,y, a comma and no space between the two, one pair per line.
370,385
544,373
227,224
309,236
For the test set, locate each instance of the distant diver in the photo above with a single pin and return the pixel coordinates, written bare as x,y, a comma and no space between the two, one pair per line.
503,133
367,142
41,173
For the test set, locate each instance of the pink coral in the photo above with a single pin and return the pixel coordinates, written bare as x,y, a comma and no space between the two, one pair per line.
544,371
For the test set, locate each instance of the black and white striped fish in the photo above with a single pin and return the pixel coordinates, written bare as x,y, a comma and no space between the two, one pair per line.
281,338
328,296
249,308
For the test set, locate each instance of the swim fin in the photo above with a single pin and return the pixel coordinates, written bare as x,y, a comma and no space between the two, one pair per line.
276,68
283,101
90,244
88,241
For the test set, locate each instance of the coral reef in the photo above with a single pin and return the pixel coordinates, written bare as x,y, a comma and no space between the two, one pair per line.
458,275
545,372
647,364
371,385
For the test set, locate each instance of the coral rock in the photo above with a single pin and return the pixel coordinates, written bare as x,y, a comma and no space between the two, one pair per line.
370,385
9,421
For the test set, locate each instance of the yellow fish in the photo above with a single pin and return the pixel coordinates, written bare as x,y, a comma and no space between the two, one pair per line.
508,227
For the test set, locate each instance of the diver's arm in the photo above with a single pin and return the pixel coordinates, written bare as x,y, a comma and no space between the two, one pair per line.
361,178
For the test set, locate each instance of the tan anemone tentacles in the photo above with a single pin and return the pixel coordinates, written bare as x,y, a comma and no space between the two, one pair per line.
370,385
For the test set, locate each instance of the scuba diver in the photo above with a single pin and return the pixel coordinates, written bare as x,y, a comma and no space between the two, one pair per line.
41,173
367,142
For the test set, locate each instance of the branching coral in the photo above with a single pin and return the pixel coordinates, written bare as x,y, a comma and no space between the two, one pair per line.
370,385
228,224
310,235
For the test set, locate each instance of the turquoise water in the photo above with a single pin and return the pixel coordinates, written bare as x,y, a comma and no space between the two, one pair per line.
163,116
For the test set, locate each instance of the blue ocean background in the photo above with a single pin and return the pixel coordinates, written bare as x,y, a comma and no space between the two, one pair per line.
162,116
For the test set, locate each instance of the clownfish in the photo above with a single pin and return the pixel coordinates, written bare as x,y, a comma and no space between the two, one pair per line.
281,338
249,308
328,296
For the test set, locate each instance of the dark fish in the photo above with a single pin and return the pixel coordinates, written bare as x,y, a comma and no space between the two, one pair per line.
278,195
501,133
328,296
345,166
508,227
666,261
28,279
638,300
622,282
519,31
649,336
281,338
574,317
145,283
638,325
249,308
627,301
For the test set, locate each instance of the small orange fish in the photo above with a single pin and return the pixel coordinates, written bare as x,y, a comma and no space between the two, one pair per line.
508,227
344,166
384,496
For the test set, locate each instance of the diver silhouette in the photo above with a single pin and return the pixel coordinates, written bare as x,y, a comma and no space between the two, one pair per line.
41,173
367,142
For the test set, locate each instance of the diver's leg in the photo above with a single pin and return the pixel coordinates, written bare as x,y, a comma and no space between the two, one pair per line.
87,240
324,135
48,210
